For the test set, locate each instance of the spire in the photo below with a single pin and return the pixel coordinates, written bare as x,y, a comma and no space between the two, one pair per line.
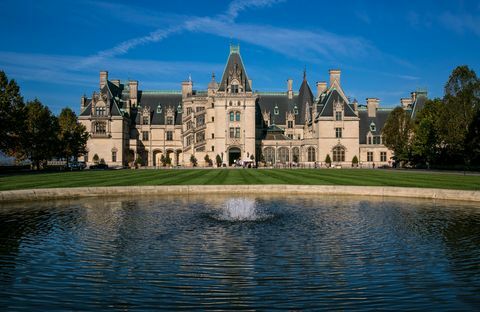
305,73
235,70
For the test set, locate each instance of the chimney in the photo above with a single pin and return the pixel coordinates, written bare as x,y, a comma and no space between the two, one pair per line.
334,75
250,83
116,82
133,86
414,96
406,102
355,105
103,78
83,101
187,88
372,106
321,87
290,88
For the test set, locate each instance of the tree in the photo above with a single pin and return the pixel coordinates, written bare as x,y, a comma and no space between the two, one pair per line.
95,159
218,160
208,161
102,161
163,160
168,160
39,137
139,161
72,135
11,116
396,133
462,100
472,141
355,161
328,160
193,160
426,143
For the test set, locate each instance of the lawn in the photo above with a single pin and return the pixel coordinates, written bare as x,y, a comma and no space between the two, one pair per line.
367,177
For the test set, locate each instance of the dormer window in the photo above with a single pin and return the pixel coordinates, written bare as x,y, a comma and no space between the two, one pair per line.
295,110
179,108
159,109
234,88
373,128
276,110
100,111
145,120
338,116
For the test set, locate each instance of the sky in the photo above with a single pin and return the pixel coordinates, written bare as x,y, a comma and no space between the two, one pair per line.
385,49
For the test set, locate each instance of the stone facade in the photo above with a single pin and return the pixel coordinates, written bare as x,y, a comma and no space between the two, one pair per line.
232,121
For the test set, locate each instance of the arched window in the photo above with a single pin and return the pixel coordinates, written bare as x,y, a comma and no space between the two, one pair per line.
237,116
311,154
232,116
269,155
295,154
338,154
283,155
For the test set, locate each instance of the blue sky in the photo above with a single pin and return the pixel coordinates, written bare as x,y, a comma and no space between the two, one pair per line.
385,49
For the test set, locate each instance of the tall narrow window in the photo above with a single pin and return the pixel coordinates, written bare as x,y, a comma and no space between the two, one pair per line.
338,133
232,132
237,116
169,120
369,156
114,156
338,154
311,154
169,135
237,132
290,124
232,116
145,120
383,156
144,135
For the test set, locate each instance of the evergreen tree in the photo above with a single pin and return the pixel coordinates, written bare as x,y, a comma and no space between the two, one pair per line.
355,161
193,160
218,160
472,141
328,160
163,160
11,116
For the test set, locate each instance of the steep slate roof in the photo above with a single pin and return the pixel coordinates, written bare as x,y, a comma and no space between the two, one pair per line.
365,121
267,101
305,101
418,104
235,61
152,100
275,133
328,102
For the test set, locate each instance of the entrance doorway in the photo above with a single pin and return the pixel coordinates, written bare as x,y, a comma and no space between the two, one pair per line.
234,154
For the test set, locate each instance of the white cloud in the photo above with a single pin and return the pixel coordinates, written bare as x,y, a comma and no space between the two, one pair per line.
461,23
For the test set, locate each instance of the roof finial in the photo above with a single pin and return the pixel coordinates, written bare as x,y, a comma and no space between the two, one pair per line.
213,76
189,77
305,72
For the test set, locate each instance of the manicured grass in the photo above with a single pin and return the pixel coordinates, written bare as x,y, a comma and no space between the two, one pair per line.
365,177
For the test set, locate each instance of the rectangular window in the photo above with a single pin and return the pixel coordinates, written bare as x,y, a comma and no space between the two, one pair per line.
213,148
369,140
232,116
189,110
213,119
338,115
237,132
338,133
370,156
114,156
189,140
376,139
237,116
232,132
170,120
290,136
200,120
169,135
290,124
145,120
213,135
200,108
144,135
383,156
200,137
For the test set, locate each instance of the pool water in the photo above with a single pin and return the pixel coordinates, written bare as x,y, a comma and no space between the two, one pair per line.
214,252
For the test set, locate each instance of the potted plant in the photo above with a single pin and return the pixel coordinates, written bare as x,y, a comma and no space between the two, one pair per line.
355,161
328,161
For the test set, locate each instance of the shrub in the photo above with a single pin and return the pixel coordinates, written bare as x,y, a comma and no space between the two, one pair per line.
96,159
218,160
193,160
355,161
328,161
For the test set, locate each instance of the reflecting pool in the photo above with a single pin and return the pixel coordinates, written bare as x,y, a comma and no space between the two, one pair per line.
217,252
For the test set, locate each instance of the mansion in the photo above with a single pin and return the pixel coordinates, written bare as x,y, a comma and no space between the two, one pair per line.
233,121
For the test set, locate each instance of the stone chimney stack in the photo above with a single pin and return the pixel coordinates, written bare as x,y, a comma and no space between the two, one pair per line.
290,88
187,88
414,96
103,78
406,102
372,106
250,83
83,101
321,87
133,86
334,75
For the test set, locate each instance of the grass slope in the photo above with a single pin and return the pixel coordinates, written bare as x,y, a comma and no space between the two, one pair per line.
364,177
